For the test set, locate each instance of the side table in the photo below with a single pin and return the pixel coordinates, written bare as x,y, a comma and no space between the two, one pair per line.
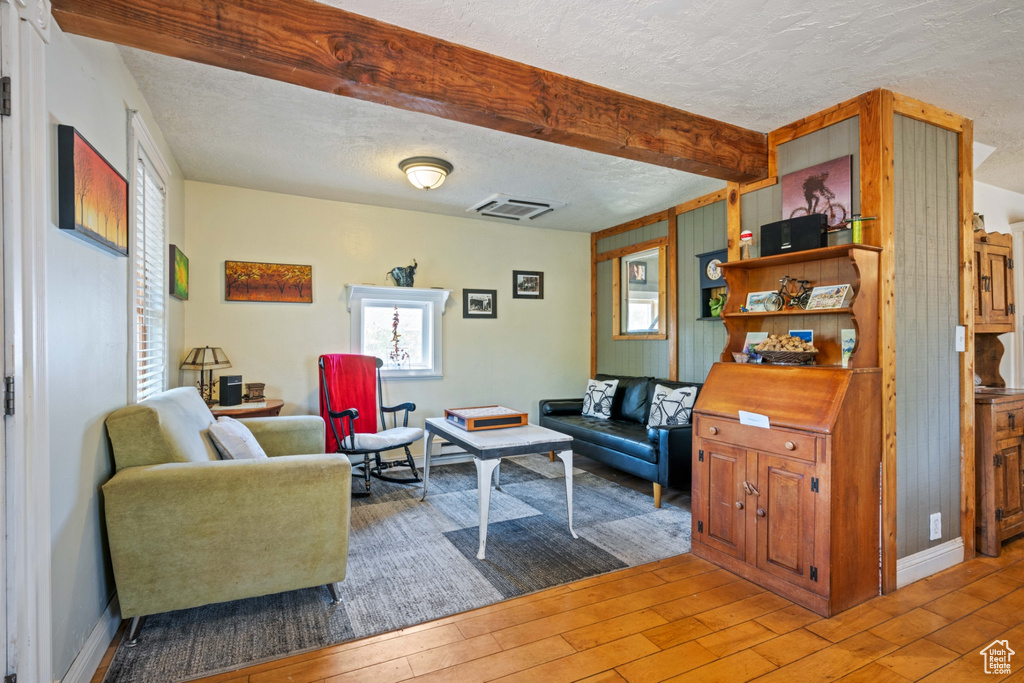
269,408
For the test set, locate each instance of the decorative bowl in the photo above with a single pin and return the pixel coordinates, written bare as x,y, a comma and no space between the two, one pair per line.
789,357
740,357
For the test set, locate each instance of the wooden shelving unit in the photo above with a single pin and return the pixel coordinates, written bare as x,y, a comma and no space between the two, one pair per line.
853,264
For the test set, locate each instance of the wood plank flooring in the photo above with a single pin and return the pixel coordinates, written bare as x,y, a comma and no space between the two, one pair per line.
683,619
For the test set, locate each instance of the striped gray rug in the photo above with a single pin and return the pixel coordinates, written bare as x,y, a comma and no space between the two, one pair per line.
411,562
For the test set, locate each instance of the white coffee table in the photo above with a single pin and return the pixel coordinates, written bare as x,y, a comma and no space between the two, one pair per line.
488,447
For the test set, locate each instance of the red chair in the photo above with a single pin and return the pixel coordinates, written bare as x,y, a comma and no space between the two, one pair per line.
347,393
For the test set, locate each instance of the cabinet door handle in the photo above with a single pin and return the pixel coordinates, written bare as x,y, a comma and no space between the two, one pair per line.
713,430
749,489
739,505
1013,420
790,446
760,512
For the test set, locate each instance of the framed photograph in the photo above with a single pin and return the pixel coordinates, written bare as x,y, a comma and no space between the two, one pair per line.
271,282
638,273
179,274
527,284
830,296
479,303
848,339
806,335
92,197
755,301
823,188
753,339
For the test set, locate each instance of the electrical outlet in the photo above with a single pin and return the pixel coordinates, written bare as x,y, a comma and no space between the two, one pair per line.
961,338
935,526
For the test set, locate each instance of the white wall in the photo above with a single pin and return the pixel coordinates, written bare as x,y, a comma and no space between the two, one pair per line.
533,350
89,88
1002,209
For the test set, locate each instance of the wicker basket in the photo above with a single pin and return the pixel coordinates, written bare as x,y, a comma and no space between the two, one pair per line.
789,357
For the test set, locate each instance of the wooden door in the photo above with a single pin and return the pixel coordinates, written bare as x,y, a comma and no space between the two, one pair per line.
999,296
785,522
722,505
1008,483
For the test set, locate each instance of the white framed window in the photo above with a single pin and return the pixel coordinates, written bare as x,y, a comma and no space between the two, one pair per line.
147,321
401,326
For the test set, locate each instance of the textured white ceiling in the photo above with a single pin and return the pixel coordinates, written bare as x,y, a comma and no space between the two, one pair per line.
755,63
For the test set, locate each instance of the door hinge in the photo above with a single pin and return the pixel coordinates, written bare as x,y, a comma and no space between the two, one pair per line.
700,455
5,103
814,484
700,527
1013,308
9,395
999,514
1009,263
997,460
814,573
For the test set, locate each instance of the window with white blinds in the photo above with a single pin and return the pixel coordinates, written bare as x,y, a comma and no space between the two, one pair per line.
150,278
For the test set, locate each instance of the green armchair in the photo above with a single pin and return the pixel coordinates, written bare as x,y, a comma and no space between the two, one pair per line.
188,529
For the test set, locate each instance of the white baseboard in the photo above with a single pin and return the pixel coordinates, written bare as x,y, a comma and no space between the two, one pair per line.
927,562
88,660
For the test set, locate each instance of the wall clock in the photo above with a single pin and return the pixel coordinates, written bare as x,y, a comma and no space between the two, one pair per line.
712,269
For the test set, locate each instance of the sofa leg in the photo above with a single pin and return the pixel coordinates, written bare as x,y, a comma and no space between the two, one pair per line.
133,631
332,588
551,456
657,495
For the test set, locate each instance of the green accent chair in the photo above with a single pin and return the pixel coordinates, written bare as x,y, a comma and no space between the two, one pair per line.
188,529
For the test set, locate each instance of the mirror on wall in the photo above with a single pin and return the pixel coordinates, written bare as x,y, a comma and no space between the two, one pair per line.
639,291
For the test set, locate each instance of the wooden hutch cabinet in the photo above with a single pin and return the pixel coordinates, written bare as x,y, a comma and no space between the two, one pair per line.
790,500
999,458
993,264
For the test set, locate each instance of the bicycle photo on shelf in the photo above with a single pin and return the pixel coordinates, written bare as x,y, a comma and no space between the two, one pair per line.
824,188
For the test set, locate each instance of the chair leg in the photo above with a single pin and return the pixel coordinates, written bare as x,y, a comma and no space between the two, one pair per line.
378,469
133,631
657,495
366,471
332,588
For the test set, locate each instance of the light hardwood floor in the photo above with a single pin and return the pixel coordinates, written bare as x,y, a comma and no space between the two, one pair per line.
683,619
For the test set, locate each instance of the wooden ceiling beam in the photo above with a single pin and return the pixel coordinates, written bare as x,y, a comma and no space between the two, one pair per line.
325,48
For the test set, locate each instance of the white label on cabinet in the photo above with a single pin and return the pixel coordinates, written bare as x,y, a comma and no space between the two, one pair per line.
754,419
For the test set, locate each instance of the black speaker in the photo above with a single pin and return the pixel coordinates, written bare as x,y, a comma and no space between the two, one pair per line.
794,234
230,390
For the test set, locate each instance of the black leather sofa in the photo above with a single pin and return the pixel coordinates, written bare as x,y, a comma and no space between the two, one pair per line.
660,455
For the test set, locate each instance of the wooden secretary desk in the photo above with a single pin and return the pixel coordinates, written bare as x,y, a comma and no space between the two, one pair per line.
793,504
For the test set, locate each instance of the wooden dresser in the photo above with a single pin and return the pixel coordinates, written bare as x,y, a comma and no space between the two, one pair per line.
793,507
998,445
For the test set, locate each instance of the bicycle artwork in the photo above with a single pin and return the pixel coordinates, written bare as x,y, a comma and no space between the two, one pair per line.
824,188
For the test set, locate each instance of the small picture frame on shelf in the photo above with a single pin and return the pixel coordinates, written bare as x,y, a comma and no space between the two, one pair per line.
753,339
806,335
755,301
830,296
848,339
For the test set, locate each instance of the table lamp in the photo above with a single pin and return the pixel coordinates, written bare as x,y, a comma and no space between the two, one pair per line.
206,359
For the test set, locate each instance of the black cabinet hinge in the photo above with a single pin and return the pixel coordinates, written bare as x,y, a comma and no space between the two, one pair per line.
814,573
997,460
700,455
9,395
1009,263
1013,308
999,514
700,527
5,103
814,484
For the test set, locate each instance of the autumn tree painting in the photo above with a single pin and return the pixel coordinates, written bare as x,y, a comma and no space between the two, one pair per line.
282,282
93,201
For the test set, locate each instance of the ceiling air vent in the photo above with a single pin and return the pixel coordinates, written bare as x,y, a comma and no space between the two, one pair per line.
514,208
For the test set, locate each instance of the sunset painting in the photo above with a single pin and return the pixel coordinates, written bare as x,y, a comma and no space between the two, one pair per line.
92,196
281,282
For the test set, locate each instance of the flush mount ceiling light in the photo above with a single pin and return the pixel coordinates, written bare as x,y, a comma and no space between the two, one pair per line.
426,173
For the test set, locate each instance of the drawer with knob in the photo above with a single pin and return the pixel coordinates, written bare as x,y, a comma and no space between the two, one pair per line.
1010,421
793,444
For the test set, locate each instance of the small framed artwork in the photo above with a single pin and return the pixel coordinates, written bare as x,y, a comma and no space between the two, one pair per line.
806,335
92,197
753,339
830,296
527,284
179,274
755,301
848,339
479,303
637,273
269,282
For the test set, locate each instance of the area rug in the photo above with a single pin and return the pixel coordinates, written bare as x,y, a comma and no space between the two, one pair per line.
411,562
